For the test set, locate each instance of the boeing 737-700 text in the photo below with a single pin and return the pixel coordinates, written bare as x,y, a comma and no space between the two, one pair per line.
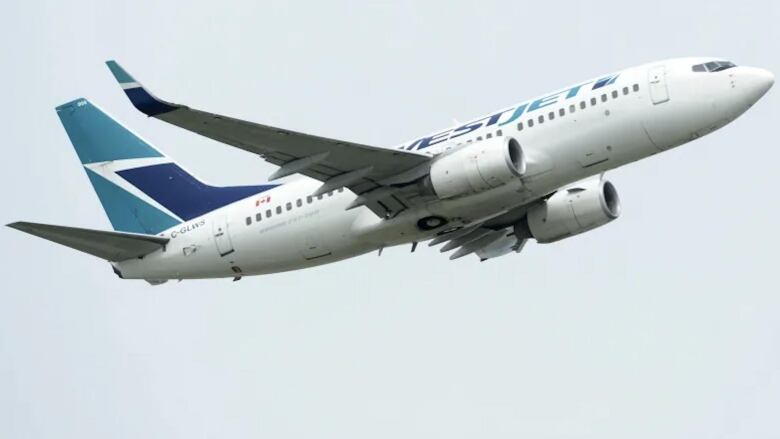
531,171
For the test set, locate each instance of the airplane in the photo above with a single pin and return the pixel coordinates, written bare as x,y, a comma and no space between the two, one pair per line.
532,171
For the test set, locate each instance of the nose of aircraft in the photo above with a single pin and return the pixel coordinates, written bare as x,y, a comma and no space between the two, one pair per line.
756,82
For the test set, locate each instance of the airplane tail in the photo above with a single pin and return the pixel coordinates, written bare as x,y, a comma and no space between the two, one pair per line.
141,190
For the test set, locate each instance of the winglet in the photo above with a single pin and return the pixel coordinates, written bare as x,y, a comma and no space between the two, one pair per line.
141,99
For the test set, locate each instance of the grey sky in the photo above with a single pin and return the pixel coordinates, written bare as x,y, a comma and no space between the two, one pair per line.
661,324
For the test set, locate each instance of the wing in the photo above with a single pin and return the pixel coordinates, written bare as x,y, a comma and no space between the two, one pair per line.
111,246
369,171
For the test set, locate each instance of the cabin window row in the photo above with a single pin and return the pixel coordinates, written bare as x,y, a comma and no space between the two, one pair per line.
288,206
573,107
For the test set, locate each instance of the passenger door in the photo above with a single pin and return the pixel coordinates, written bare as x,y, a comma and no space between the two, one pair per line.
222,236
657,85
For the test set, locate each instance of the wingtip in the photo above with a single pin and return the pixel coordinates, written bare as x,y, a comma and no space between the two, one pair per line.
18,225
141,98
119,73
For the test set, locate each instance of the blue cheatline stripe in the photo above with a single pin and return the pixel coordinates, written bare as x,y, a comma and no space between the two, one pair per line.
97,137
146,103
119,73
127,212
608,80
183,194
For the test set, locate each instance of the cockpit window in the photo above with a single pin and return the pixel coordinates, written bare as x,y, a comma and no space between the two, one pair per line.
713,66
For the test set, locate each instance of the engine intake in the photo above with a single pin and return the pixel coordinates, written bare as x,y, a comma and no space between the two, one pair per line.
571,211
477,167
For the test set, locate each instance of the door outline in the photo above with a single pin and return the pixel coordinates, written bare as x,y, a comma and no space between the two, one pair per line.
656,81
312,247
222,236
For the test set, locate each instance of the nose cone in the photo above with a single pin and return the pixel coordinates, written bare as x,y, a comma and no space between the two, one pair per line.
756,82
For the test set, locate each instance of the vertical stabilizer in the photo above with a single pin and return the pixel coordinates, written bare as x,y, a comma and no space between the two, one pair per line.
141,190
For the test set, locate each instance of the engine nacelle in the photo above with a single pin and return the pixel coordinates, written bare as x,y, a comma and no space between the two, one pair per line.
477,167
571,211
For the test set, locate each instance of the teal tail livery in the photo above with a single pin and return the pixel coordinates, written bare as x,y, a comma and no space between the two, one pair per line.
141,190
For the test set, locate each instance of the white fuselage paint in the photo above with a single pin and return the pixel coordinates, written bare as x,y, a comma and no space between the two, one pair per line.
566,149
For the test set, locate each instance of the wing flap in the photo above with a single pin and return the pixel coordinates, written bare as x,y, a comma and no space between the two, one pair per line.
111,246
484,241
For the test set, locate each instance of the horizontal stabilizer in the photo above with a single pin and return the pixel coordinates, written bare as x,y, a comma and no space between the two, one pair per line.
111,246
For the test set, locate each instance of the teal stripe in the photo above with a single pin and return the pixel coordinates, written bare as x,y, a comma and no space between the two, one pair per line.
98,138
127,212
119,73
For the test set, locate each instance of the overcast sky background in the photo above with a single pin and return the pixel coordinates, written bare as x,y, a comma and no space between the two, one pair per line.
663,324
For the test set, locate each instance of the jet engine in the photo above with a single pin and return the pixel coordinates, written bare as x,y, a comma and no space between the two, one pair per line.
570,211
476,167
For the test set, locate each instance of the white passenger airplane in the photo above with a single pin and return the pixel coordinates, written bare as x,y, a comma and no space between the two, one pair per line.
531,171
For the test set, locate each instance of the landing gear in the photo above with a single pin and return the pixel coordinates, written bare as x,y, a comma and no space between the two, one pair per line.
431,222
238,272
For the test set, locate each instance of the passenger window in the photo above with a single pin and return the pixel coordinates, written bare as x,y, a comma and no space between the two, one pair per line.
299,203
309,199
562,112
248,220
572,108
479,138
341,189
541,118
530,123
499,133
614,94
592,101
319,197
519,126
604,98
259,216
551,116
489,136
278,210
268,213
625,90
330,194
636,87
289,206
582,105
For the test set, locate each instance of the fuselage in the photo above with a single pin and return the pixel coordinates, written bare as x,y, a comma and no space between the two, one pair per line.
573,133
